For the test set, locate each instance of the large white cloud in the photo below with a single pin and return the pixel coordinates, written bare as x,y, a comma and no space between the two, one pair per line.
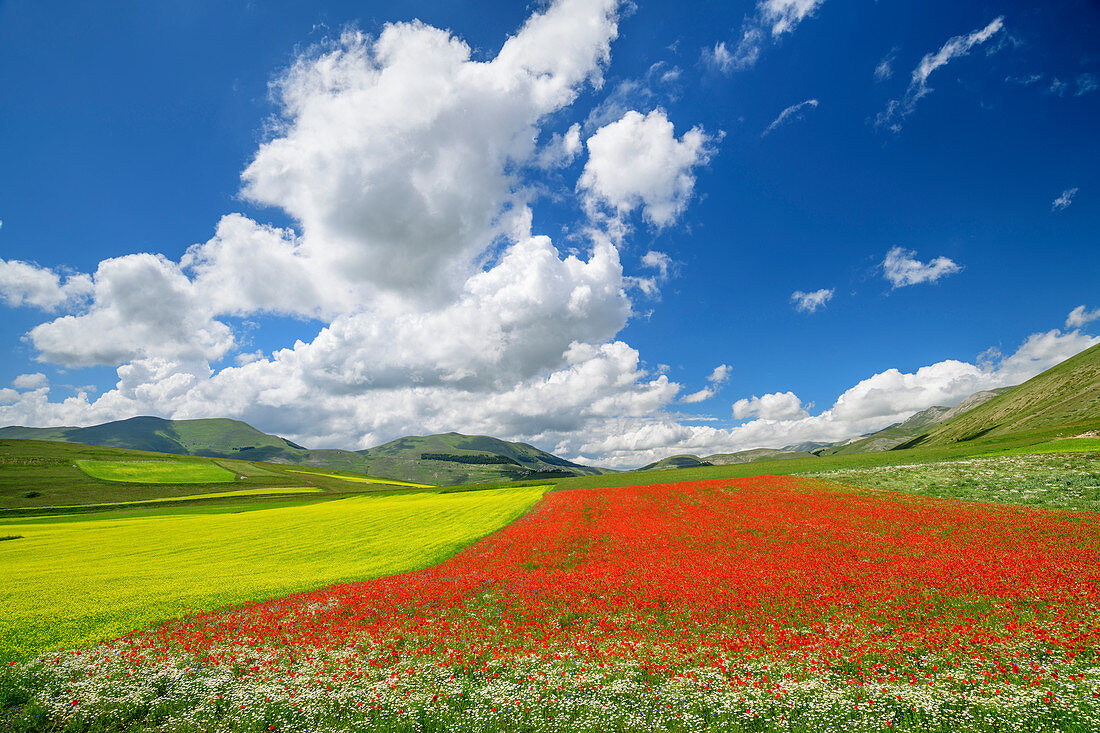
394,153
143,306
396,157
775,406
637,161
401,160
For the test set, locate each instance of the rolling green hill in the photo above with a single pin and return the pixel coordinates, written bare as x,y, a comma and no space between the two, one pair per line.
673,462
454,458
904,432
213,437
446,459
1065,396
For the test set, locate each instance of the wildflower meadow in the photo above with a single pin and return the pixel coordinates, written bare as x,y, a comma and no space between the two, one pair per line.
785,604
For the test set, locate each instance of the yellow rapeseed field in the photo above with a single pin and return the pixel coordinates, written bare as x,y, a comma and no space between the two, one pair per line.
73,582
363,479
271,491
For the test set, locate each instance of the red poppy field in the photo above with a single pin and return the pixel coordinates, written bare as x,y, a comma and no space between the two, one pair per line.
749,604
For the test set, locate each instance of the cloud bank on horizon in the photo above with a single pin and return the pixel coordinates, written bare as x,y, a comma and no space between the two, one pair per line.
407,166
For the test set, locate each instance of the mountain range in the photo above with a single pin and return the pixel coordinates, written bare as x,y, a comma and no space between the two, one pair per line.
1066,395
445,459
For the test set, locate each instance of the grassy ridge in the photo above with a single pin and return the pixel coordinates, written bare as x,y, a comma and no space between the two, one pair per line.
1067,394
1067,445
156,472
77,581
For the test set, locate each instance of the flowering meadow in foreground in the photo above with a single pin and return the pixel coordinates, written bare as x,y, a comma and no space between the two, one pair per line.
1053,480
749,604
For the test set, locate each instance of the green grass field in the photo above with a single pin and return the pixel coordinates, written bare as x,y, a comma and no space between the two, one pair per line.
1068,445
70,582
362,479
157,472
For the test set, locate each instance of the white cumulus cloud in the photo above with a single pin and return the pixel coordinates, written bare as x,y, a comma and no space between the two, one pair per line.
902,268
1081,316
810,302
27,284
401,162
774,406
36,380
143,305
638,162
720,375
562,149
701,396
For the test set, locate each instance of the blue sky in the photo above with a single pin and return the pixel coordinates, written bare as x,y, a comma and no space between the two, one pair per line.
559,243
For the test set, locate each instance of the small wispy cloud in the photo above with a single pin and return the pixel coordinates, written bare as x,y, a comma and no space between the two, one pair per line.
772,19
902,268
1063,202
898,109
810,302
717,378
1080,86
720,375
701,396
885,68
1086,84
719,58
1058,88
1024,81
792,112
1081,316
658,261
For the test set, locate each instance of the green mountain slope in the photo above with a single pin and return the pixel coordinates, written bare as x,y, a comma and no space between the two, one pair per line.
216,437
1066,395
904,432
